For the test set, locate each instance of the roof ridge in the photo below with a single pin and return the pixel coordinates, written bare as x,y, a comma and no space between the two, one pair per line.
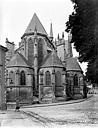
45,59
73,64
52,60
24,58
35,22
18,60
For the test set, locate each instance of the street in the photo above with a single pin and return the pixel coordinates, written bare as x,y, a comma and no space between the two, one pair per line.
81,115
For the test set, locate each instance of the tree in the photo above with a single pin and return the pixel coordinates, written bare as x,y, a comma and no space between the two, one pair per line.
92,71
83,25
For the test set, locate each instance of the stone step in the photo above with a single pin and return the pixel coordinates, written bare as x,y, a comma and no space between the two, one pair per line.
11,105
77,96
46,100
60,98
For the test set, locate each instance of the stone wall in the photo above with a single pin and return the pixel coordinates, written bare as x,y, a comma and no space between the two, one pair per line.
75,91
52,92
2,78
15,90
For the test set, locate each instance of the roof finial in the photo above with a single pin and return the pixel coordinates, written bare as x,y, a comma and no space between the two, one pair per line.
58,36
35,30
62,35
7,40
51,32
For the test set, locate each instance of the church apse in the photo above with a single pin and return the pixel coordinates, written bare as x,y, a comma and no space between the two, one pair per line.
30,51
43,65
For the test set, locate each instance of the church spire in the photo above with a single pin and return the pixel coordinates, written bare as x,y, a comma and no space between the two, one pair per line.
51,32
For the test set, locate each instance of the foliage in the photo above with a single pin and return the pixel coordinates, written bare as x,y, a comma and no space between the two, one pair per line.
83,25
92,71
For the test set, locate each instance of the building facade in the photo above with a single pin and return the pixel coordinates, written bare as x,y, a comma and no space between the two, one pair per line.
42,68
3,51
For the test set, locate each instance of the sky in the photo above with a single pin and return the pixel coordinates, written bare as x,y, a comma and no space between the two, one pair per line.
15,16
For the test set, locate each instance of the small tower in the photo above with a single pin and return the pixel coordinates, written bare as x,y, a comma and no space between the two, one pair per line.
51,33
58,39
63,42
64,49
69,46
35,56
55,44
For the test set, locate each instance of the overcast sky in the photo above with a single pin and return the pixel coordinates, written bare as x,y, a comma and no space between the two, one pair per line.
15,16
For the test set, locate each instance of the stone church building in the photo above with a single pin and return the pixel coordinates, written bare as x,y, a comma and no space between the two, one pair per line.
42,68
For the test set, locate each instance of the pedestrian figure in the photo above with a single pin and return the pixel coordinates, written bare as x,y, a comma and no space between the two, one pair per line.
17,106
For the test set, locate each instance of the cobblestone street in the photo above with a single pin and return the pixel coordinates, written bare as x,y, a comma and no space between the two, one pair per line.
81,114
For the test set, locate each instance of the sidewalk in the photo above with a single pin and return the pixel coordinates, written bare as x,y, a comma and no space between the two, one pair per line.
58,103
13,119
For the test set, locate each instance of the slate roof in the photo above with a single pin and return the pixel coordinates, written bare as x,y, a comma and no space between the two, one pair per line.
18,60
35,23
52,60
72,64
3,48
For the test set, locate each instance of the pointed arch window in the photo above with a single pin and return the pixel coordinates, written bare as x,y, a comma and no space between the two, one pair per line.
75,80
22,78
11,77
58,78
47,78
40,51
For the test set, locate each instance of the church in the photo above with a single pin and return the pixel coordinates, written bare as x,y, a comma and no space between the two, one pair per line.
42,68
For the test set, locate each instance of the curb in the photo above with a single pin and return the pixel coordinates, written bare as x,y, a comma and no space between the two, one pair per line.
55,104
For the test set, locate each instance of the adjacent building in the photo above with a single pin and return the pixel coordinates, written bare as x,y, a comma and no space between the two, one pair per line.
3,51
